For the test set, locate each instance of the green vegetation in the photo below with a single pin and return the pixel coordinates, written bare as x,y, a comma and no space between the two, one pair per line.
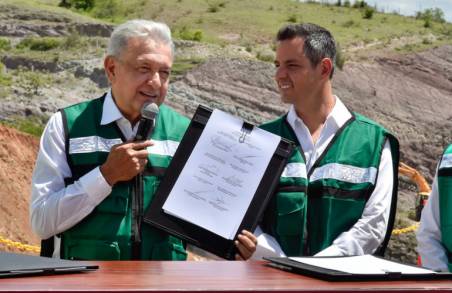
77,4
33,125
189,35
57,49
258,20
181,66
368,12
5,44
5,78
431,14
265,55
33,81
39,44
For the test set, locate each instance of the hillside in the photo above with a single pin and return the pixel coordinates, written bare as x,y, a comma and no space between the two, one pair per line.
402,82
17,156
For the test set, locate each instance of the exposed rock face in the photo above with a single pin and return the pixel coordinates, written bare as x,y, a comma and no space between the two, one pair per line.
22,22
239,86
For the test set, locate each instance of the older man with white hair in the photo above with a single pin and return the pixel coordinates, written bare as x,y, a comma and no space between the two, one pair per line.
83,183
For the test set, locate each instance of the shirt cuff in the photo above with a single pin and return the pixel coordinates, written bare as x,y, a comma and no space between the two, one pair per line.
332,250
95,185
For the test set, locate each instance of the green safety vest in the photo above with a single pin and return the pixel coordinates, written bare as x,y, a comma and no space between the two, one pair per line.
105,234
445,201
310,210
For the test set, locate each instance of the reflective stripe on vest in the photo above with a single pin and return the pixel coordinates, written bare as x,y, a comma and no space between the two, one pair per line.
446,161
345,173
296,170
163,147
91,144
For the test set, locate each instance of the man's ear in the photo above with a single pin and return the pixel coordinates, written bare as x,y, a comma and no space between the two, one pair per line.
327,67
110,67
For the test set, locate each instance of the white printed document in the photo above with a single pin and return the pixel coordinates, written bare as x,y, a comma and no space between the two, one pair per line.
362,265
222,174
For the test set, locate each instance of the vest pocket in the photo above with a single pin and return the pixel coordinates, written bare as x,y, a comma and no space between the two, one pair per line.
329,217
113,204
93,250
290,213
168,251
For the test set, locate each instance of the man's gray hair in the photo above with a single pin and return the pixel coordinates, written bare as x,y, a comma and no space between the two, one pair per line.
138,28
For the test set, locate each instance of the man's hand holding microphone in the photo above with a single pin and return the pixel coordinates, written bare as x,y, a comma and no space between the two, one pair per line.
129,159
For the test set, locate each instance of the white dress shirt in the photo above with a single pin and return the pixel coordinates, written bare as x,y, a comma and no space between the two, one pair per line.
433,255
368,233
54,207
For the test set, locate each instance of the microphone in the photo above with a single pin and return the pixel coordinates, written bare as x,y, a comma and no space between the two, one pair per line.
149,113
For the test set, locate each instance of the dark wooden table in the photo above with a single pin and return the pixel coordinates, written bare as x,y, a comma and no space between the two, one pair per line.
157,276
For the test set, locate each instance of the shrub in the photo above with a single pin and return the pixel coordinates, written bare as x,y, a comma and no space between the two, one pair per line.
189,35
360,4
265,55
213,7
292,18
5,44
431,14
427,41
77,4
65,3
368,12
83,4
39,44
34,80
347,3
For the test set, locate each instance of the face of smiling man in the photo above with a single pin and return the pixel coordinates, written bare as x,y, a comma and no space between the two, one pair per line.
298,80
140,74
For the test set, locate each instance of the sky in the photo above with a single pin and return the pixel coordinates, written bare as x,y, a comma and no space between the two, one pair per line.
409,7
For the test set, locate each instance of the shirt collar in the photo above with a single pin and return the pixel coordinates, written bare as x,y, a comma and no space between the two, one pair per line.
110,111
339,115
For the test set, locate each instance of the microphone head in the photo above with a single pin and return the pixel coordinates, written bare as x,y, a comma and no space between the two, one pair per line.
150,111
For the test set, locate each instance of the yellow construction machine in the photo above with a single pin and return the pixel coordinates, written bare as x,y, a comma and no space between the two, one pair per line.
422,186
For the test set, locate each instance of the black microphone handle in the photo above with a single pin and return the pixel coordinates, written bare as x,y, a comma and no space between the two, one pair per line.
144,129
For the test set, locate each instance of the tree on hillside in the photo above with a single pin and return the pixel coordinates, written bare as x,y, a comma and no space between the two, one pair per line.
431,14
77,4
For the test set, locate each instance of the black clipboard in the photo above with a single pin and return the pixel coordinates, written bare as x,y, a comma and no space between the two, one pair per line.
290,265
194,234
17,265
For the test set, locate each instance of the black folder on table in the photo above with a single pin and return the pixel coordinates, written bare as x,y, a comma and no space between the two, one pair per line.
16,265
323,273
197,235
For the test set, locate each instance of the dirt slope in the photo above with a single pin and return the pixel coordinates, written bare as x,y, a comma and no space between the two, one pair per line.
17,156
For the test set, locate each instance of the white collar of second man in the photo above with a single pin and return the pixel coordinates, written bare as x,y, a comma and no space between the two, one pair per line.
339,115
